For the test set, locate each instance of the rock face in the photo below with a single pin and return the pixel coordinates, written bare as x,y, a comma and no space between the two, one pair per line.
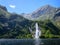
2,7
13,25
45,12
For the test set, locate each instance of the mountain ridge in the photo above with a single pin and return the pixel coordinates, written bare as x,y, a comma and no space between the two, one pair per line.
16,26
47,11
3,7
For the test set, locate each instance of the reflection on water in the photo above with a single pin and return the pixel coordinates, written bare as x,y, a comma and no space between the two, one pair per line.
37,42
29,41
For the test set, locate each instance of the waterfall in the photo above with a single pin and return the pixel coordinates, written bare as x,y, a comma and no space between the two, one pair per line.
38,32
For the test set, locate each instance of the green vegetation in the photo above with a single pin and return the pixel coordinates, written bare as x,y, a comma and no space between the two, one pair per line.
17,27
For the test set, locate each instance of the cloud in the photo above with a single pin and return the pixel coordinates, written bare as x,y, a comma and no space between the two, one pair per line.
12,6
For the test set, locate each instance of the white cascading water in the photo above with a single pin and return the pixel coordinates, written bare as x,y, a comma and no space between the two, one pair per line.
38,32
36,35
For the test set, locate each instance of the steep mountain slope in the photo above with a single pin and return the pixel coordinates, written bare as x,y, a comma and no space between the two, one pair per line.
12,25
45,12
3,7
56,18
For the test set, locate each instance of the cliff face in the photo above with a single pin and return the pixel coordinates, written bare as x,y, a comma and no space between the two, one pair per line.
43,13
13,25
3,7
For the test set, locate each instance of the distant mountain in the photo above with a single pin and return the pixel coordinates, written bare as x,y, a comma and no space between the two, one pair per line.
14,25
3,7
56,18
45,12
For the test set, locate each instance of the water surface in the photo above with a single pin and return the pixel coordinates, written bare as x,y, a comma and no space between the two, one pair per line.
29,41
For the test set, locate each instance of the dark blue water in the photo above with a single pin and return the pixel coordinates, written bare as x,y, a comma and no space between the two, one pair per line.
29,42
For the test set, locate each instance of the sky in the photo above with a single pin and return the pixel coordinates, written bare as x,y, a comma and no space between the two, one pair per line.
27,6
